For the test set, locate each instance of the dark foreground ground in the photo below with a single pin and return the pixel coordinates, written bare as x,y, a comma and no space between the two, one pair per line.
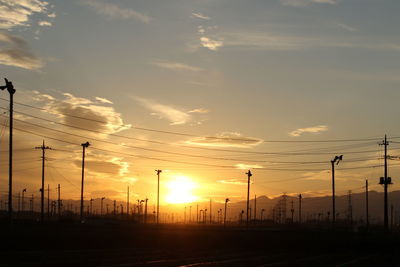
123,244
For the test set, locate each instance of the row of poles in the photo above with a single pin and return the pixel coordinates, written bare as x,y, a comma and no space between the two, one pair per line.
385,181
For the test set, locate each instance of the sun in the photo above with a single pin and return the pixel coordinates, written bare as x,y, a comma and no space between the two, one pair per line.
180,190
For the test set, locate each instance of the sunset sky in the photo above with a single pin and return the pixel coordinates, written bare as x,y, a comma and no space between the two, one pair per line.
203,90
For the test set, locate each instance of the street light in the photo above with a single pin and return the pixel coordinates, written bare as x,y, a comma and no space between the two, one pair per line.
158,194
84,146
336,160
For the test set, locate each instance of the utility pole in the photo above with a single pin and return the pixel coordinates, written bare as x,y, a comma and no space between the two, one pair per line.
59,200
366,202
190,214
43,148
91,207
127,203
292,211
23,199
336,160
158,195
300,197
255,208
350,209
385,181
101,206
226,204
210,211
10,88
115,204
84,146
197,213
145,210
184,216
248,196
48,201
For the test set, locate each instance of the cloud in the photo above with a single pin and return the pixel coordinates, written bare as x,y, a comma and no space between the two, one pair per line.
211,44
114,11
14,51
100,118
199,110
15,13
44,23
200,16
313,130
347,27
103,100
234,181
242,166
174,115
301,3
225,139
177,66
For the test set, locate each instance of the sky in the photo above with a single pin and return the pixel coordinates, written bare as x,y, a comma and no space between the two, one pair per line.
203,90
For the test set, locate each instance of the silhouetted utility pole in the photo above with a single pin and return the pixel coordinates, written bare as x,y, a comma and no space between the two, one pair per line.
336,160
101,206
43,148
84,146
248,196
10,88
59,200
385,181
145,210
292,211
197,213
350,209
255,208
115,206
127,202
226,204
48,200
91,207
23,199
366,203
300,197
184,216
158,195
210,210
190,214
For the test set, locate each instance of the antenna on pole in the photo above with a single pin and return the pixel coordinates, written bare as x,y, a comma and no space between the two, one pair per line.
43,147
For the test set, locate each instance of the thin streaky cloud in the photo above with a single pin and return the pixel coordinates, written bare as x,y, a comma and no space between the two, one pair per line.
242,166
114,11
45,23
199,110
200,16
302,3
177,66
312,130
226,139
211,44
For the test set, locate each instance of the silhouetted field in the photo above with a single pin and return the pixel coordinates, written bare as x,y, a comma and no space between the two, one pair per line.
126,244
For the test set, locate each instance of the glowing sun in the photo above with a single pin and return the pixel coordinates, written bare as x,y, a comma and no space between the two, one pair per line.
180,190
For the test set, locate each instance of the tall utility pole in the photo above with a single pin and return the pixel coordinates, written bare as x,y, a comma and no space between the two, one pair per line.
43,148
226,204
385,181
336,160
48,200
366,203
158,195
145,210
10,88
84,146
197,213
23,199
59,200
292,211
255,208
210,211
300,197
127,202
248,198
101,206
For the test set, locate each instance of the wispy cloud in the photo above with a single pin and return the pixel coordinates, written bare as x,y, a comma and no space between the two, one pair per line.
176,66
347,27
114,11
211,44
234,181
15,52
15,13
103,100
226,139
300,3
200,16
247,166
199,110
44,23
174,115
313,130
